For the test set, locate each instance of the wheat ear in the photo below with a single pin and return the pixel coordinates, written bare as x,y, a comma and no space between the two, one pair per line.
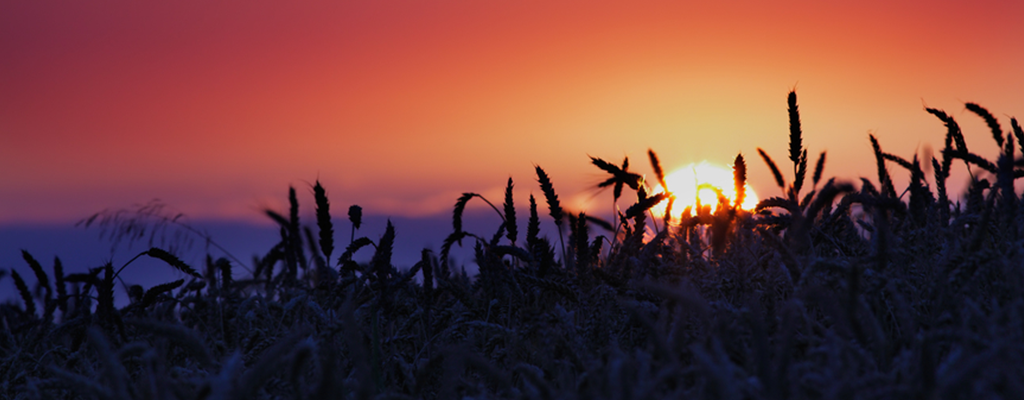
658,171
510,214
323,220
26,295
819,167
796,151
739,176
775,169
1018,133
355,216
533,226
58,281
170,259
150,296
883,174
41,278
552,199
993,124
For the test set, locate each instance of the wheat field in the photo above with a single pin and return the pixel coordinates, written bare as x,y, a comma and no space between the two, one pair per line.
829,289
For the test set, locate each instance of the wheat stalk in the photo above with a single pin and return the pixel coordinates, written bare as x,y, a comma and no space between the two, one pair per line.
739,175
323,220
993,124
620,176
26,295
355,216
510,214
953,137
58,280
105,298
658,171
1018,133
227,280
582,243
533,225
41,278
819,167
883,174
150,296
775,169
796,151
552,199
382,257
168,258
644,204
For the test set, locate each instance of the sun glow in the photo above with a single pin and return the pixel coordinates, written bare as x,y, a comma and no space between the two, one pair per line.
699,181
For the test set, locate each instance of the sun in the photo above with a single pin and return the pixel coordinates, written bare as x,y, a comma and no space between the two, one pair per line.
696,181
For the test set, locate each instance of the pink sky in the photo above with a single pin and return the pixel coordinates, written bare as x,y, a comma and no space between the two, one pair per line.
399,106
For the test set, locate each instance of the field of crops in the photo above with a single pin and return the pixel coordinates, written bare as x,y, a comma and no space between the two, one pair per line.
829,289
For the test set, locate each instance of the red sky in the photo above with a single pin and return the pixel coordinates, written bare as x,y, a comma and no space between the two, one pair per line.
399,106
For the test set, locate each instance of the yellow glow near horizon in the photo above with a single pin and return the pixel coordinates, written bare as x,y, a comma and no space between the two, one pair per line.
685,183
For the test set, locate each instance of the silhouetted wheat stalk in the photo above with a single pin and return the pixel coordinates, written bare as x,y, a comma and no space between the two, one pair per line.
323,220
554,208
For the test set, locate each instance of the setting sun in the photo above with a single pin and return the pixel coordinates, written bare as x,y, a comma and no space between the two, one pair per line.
696,181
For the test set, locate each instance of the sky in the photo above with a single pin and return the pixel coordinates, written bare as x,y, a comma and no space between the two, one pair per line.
216,108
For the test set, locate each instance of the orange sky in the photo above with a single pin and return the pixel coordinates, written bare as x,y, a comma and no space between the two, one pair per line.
399,106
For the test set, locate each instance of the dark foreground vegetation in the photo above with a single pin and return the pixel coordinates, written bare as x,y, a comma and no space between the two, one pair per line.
853,290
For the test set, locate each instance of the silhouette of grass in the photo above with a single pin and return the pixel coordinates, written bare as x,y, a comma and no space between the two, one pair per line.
838,292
